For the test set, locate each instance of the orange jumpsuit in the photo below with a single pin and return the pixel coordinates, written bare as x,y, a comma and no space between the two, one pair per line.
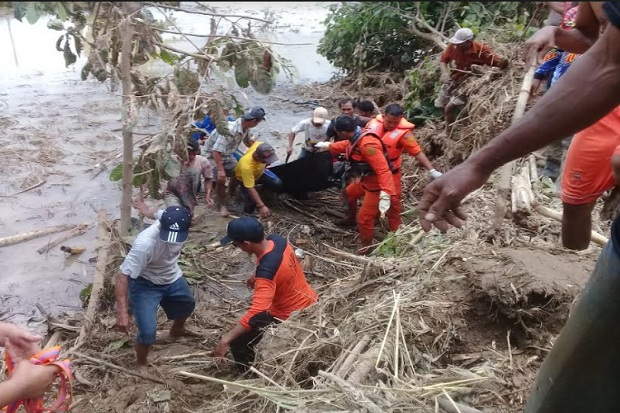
396,142
369,150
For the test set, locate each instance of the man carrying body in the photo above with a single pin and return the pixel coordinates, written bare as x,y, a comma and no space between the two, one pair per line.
397,136
219,150
150,276
280,288
347,107
314,129
250,171
463,52
369,162
581,373
183,189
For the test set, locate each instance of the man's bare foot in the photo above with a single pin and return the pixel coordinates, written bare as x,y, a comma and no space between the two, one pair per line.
142,369
183,332
224,211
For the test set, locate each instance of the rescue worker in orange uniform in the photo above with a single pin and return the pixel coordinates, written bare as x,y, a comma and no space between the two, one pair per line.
397,136
369,163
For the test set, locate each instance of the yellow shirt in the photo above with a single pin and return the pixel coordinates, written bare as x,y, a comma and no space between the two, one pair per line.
248,169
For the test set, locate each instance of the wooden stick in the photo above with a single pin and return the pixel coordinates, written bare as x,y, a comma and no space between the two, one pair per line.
79,229
27,189
119,368
103,241
451,406
352,390
37,233
503,189
348,256
549,213
353,355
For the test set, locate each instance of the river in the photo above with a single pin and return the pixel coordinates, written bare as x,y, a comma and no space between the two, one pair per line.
56,127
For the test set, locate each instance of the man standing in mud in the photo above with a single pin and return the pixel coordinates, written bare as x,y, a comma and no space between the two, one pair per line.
581,373
279,283
150,276
219,151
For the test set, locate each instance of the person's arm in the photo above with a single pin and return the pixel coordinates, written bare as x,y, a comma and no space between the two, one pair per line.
264,291
577,40
336,148
331,130
291,140
28,381
121,288
262,208
593,82
445,72
207,174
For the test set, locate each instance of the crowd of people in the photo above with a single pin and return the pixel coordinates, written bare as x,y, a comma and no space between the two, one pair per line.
580,373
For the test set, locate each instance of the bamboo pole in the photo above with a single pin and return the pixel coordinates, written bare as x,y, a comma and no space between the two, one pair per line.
37,233
503,189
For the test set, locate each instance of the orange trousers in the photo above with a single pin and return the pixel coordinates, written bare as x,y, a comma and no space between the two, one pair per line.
370,207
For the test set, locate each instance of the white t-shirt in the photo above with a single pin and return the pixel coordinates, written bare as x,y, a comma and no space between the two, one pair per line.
312,134
152,258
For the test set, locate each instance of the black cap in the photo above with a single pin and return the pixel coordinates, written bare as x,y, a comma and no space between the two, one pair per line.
193,146
254,113
244,229
174,224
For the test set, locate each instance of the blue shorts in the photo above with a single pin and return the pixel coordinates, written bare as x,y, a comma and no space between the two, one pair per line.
176,299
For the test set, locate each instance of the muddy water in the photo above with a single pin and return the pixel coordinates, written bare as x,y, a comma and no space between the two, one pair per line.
55,127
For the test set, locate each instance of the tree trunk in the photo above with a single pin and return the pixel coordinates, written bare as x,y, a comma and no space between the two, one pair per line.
127,32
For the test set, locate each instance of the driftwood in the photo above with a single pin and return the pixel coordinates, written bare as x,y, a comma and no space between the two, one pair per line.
37,233
103,241
522,196
77,230
503,189
38,184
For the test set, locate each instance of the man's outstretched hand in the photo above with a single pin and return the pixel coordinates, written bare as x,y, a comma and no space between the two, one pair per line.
440,203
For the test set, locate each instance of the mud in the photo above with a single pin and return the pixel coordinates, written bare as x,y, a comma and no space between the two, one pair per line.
56,128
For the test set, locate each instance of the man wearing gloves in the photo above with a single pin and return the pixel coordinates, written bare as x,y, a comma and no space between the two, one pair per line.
397,136
370,163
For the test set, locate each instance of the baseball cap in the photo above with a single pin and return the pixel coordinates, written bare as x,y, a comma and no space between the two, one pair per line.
319,115
462,35
265,153
243,229
193,145
174,224
254,113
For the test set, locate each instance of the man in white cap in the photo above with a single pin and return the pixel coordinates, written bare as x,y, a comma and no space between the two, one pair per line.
314,129
462,52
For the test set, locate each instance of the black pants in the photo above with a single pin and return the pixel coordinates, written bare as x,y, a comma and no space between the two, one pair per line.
242,348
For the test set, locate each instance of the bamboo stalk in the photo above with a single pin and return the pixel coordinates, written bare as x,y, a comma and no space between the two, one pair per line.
353,355
549,213
37,233
503,188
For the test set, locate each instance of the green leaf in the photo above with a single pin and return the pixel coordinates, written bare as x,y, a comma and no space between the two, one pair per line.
55,25
242,72
117,173
116,344
32,14
139,179
62,12
262,81
168,57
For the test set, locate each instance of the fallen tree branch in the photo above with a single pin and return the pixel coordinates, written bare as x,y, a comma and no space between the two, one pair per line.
166,6
37,233
103,241
38,184
227,37
78,230
119,368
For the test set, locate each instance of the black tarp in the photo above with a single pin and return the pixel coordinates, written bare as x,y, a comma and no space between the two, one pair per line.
304,175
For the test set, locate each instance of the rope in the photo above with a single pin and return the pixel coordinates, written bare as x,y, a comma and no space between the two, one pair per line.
65,394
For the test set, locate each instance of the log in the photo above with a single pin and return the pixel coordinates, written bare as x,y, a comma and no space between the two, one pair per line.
522,195
77,230
549,213
365,364
353,355
503,189
37,233
103,245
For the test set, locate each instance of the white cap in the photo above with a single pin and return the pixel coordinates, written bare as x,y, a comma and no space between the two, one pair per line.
319,115
462,35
